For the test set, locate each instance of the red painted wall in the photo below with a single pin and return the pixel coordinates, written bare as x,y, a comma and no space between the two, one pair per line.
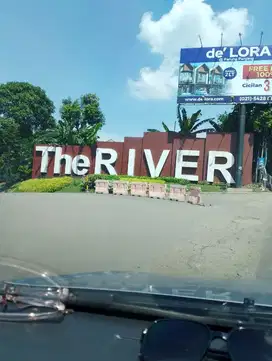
157,142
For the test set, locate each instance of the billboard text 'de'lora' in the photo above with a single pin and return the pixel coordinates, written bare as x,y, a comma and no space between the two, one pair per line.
224,75
211,159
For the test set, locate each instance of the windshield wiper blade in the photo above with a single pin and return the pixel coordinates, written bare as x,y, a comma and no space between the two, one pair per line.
210,311
213,312
28,304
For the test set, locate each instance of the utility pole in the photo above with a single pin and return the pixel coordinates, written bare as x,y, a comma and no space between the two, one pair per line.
240,148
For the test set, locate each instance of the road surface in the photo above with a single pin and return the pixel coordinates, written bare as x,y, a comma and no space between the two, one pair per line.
231,237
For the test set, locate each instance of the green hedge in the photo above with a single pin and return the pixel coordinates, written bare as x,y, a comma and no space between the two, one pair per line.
40,185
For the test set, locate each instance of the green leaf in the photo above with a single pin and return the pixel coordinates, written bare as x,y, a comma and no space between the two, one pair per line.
165,127
195,117
201,122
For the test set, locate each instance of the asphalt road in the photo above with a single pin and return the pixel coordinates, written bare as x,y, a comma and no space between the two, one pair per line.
230,238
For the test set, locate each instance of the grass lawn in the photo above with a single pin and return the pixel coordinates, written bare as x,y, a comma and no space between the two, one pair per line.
210,188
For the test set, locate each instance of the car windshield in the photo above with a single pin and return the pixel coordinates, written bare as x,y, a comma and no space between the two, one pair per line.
135,147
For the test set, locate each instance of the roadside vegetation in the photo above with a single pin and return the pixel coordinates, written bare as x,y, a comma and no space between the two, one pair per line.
87,184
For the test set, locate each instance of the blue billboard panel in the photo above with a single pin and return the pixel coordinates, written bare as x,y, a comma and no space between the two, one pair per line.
225,75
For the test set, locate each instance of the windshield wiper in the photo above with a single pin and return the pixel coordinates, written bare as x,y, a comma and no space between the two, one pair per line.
210,311
31,304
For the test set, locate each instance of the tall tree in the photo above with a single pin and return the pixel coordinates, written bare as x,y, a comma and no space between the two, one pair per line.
258,122
81,120
28,106
90,110
82,112
13,158
229,122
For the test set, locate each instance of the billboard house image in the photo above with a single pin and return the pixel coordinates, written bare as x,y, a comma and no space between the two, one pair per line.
225,75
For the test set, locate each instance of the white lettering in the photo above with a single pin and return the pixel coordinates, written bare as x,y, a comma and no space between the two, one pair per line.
219,54
180,163
80,161
210,54
131,162
58,158
215,54
223,168
45,150
232,55
243,51
80,164
155,171
99,161
265,51
254,51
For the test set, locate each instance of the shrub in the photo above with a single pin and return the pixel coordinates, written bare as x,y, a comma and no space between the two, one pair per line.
88,182
173,180
43,185
142,179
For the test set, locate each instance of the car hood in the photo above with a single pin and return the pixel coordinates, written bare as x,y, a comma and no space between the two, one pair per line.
235,290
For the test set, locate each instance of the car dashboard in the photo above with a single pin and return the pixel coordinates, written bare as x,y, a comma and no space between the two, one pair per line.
81,336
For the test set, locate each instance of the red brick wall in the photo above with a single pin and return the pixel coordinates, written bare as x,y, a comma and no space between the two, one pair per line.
157,142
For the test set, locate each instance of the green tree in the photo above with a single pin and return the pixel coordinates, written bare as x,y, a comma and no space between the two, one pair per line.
13,158
91,113
80,122
188,125
258,122
28,106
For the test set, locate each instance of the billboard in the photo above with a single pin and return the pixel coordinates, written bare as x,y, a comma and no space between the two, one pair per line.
225,75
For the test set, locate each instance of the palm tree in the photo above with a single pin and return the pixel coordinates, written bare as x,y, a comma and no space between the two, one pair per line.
64,134
189,125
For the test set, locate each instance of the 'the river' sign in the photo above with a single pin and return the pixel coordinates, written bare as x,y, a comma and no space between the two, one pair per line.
80,164
155,154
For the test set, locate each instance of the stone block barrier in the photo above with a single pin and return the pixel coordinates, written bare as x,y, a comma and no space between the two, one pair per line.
102,186
139,189
194,195
157,190
177,193
120,188
173,192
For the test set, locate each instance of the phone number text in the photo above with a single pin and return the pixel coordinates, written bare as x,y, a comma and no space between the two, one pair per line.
253,99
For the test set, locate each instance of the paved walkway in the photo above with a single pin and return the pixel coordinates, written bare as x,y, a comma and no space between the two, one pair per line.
231,237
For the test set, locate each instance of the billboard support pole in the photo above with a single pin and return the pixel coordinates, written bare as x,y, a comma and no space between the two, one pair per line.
240,148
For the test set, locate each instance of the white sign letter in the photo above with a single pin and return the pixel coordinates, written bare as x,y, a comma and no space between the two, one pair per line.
155,171
180,163
80,161
45,150
99,161
223,168
58,158
131,162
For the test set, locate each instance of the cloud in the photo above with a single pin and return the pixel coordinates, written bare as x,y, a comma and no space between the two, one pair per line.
178,28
